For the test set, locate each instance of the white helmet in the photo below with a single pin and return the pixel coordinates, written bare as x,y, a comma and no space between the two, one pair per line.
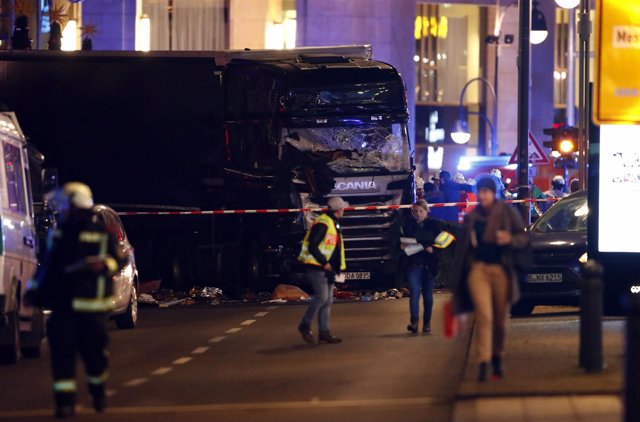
497,173
79,194
419,182
459,178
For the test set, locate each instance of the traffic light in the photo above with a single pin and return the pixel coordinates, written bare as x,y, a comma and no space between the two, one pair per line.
564,141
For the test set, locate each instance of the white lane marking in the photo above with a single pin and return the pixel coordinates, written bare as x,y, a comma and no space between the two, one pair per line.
111,393
136,382
261,314
217,339
248,322
182,360
199,350
233,330
221,407
162,371
272,308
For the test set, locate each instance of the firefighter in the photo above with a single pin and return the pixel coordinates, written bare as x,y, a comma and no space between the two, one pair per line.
75,283
324,258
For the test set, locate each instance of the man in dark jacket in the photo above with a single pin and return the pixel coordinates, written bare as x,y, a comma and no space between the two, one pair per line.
452,193
323,256
75,283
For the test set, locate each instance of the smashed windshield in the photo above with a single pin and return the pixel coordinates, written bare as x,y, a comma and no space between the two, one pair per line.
356,149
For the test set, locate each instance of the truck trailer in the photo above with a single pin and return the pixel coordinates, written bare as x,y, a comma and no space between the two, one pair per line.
226,130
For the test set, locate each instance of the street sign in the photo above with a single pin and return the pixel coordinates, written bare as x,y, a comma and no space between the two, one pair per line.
536,153
617,86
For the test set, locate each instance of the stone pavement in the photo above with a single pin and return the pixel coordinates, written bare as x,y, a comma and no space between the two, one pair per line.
543,381
540,409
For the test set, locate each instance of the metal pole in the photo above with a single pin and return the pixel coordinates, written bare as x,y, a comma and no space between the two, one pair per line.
494,137
523,106
632,362
571,70
591,353
584,29
494,95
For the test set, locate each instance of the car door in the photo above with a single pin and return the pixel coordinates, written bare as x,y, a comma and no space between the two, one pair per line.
17,219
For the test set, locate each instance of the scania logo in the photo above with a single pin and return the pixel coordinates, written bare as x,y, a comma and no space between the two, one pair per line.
358,185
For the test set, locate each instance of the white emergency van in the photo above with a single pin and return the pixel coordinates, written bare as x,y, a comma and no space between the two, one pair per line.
21,327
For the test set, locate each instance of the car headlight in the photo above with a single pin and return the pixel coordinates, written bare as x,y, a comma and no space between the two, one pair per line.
583,258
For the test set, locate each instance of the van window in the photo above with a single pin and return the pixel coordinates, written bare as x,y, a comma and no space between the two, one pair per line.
15,178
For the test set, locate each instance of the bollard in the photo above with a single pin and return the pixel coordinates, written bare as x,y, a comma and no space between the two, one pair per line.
632,362
591,355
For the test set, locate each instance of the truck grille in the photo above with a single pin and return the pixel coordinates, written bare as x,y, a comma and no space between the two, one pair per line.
370,236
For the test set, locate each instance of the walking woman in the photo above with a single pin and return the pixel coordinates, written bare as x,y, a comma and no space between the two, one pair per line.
422,262
486,276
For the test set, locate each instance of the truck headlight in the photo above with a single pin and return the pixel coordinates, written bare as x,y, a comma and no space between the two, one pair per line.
583,258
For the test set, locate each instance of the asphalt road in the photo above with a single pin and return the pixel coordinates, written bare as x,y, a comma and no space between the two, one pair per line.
248,363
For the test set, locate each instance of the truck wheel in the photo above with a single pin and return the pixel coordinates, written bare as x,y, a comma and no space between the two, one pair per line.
129,319
522,309
31,341
10,350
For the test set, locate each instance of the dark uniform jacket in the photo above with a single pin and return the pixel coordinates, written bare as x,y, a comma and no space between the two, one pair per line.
65,283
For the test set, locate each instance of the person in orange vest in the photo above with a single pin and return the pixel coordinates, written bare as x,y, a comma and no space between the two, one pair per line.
324,258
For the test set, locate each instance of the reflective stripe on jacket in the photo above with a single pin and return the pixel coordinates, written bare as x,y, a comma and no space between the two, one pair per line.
327,246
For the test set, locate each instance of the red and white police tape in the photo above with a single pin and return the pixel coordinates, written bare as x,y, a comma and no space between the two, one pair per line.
296,210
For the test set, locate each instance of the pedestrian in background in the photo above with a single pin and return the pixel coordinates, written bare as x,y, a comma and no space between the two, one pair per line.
452,192
574,186
486,274
75,283
422,266
557,190
323,255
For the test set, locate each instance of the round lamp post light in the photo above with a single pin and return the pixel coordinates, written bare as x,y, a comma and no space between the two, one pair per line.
568,4
539,31
460,133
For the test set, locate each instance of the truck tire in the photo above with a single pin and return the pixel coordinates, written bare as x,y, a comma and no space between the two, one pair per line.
10,350
31,342
129,319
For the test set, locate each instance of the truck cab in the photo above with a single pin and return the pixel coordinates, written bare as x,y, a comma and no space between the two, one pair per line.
301,128
21,328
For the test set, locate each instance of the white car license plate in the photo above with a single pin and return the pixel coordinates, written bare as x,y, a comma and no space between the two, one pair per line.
357,276
545,278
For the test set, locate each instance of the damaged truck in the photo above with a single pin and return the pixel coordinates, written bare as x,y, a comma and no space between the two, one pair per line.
233,130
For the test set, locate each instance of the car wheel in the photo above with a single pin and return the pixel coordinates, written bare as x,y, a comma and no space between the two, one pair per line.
10,351
129,319
522,309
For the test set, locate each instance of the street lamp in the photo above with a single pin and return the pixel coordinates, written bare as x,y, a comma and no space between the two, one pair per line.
539,31
568,4
460,133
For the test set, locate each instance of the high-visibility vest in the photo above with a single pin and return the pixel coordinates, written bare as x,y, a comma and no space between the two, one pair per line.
327,246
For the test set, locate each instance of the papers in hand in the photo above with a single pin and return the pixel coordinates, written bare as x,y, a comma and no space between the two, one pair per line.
412,246
408,240
413,249
340,278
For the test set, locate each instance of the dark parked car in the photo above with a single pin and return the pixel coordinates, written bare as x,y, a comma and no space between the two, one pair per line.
559,241
125,289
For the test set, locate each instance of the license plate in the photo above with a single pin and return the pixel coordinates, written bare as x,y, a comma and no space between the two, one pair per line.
357,276
544,278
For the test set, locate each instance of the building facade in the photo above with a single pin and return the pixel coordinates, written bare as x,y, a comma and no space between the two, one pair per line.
438,46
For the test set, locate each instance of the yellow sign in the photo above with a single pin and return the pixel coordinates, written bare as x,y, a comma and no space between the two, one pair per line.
430,26
617,84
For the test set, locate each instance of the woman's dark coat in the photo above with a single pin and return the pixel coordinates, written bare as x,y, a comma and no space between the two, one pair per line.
502,217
